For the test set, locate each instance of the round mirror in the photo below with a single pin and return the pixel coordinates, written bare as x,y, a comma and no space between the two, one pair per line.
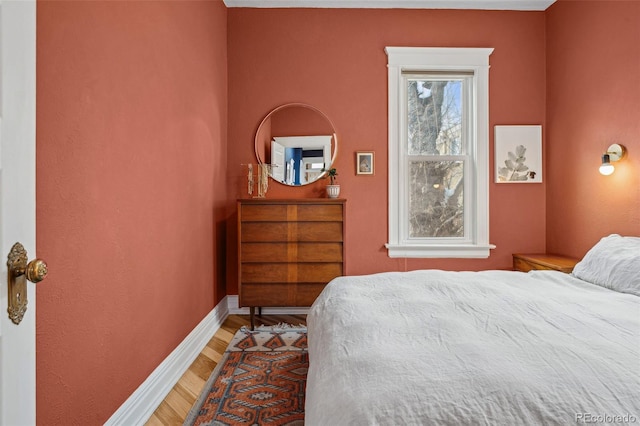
298,141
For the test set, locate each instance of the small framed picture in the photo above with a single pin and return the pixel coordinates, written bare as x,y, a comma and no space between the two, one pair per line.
364,162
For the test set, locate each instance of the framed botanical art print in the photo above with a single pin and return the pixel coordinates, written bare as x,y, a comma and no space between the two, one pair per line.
364,162
518,154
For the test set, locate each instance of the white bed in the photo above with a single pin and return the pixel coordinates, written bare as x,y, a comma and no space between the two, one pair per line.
492,347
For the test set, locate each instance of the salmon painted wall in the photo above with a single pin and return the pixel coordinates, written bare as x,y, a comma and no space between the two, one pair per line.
334,59
593,100
131,189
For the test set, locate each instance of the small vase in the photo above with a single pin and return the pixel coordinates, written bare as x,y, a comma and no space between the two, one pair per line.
333,191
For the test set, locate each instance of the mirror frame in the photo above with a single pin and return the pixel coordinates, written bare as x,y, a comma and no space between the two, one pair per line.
303,105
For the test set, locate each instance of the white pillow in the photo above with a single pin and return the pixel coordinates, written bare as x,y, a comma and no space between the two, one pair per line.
614,263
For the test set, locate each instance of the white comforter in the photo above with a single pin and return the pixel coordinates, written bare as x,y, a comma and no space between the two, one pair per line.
494,347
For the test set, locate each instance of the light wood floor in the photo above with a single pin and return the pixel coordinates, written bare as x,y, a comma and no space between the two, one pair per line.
175,407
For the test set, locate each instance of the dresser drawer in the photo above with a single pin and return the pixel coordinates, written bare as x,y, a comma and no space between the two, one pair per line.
283,212
280,294
319,213
292,272
263,213
291,231
291,252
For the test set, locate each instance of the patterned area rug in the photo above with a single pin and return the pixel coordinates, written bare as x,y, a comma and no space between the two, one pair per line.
260,380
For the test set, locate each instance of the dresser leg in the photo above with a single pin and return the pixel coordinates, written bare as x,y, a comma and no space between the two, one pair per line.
259,311
252,313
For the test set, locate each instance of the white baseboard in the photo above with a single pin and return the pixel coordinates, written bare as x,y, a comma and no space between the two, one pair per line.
139,407
234,309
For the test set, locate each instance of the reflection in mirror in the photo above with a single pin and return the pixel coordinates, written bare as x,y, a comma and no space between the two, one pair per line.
298,160
299,142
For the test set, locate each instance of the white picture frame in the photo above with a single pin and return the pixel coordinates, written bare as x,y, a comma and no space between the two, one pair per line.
518,154
365,163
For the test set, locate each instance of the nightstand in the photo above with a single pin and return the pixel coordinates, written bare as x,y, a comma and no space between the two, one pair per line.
528,262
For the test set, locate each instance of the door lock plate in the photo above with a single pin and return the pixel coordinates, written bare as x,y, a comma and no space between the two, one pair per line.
17,274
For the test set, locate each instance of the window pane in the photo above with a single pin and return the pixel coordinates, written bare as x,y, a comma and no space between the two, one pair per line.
436,199
434,117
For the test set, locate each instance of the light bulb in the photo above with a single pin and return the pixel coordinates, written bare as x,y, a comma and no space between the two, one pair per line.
606,168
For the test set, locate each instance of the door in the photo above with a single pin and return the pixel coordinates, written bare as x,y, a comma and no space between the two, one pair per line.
277,159
17,203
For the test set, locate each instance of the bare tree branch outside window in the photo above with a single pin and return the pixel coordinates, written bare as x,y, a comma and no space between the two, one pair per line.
436,207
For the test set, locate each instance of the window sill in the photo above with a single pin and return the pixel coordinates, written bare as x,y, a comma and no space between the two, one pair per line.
440,251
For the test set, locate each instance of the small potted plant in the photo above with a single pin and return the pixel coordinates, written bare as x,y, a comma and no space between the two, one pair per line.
333,190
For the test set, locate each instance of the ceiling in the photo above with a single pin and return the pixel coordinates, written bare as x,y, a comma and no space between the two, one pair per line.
397,4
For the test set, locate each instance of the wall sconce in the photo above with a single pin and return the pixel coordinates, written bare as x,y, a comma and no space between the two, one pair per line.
614,153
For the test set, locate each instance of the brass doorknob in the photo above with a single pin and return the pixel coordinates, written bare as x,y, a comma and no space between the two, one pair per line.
19,271
36,270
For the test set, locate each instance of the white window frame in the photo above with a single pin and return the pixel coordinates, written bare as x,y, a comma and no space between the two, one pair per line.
475,243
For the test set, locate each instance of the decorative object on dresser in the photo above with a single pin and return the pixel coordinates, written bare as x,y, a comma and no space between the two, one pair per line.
288,250
262,177
528,262
333,190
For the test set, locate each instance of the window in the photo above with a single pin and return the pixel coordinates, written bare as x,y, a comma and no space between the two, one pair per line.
438,152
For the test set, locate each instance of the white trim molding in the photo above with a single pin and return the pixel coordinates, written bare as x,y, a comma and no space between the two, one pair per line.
538,5
139,407
235,309
475,61
422,251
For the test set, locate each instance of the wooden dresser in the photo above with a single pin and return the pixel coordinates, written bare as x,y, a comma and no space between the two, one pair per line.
528,262
288,250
